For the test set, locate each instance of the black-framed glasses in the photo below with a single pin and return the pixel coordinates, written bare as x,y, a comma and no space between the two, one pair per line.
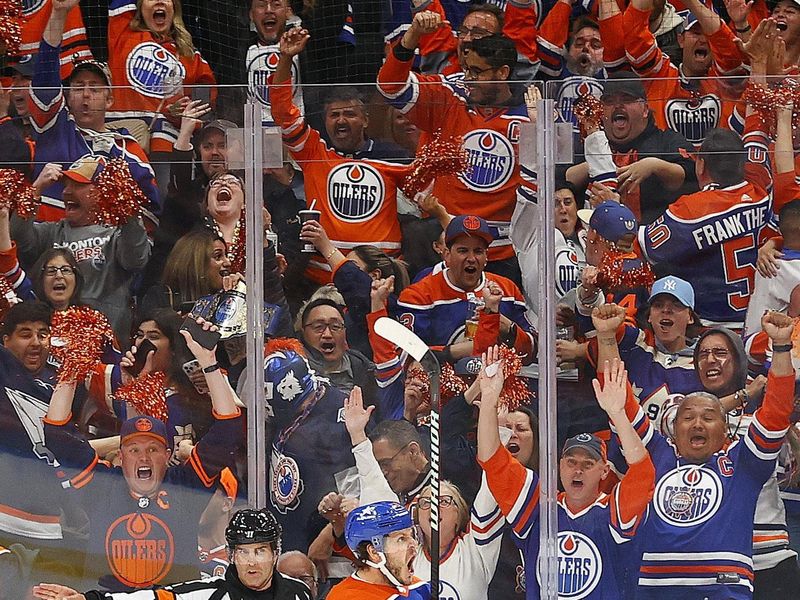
474,32
51,270
444,502
475,72
226,180
385,463
717,352
319,327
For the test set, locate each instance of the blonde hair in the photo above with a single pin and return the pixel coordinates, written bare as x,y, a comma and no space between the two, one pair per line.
179,34
448,488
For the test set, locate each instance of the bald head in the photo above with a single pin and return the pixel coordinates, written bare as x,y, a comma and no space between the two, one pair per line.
298,565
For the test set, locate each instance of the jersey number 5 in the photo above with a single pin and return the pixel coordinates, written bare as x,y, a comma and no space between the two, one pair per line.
736,271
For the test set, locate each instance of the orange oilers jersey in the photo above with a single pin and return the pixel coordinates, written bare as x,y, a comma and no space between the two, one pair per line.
357,198
490,138
355,588
35,15
148,70
688,107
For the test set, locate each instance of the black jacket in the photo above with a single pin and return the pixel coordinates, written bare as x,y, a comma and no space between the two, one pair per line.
223,588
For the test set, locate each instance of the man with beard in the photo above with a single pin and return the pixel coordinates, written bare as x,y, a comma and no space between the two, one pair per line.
691,107
721,367
486,110
269,18
381,537
108,257
346,122
253,540
651,170
438,306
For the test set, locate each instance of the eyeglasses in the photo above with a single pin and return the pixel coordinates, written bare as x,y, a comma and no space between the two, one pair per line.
319,327
475,32
717,352
475,72
260,553
385,463
444,502
63,269
220,181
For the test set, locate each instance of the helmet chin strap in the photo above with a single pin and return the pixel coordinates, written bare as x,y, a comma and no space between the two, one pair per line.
381,566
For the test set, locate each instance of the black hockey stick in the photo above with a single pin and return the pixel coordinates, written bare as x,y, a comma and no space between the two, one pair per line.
407,340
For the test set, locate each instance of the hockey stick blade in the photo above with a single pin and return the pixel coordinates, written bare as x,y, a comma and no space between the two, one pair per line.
401,336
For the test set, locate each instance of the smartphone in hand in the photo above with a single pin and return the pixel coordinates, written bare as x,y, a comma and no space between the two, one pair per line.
205,337
140,358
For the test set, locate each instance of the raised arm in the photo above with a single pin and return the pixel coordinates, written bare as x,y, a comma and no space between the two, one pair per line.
223,400
54,31
611,396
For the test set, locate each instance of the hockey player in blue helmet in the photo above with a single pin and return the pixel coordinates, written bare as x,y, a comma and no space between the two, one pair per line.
381,536
310,443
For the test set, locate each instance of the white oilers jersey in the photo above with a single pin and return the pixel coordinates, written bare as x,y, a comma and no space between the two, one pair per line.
262,60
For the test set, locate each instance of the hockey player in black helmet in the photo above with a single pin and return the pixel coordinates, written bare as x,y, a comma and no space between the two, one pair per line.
254,544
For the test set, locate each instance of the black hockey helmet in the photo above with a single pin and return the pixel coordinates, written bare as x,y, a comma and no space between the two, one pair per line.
249,526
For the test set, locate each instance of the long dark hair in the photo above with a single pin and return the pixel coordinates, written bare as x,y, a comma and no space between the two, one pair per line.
37,274
169,323
374,258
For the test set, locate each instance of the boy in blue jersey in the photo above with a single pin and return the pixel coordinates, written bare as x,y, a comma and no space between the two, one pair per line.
595,530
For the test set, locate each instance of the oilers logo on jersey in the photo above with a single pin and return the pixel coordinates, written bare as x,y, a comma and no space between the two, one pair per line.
491,160
31,6
261,65
688,496
693,117
153,71
567,270
355,191
140,549
447,591
571,89
580,565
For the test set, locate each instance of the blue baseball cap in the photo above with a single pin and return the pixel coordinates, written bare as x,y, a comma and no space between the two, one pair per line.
467,225
676,287
589,442
611,220
146,426
689,21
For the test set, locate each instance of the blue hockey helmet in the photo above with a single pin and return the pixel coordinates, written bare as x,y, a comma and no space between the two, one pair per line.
372,522
288,377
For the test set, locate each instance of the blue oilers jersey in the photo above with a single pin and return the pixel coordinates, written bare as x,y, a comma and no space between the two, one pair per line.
595,545
700,533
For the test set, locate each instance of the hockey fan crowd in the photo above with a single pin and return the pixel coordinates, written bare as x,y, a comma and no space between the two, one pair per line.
406,189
